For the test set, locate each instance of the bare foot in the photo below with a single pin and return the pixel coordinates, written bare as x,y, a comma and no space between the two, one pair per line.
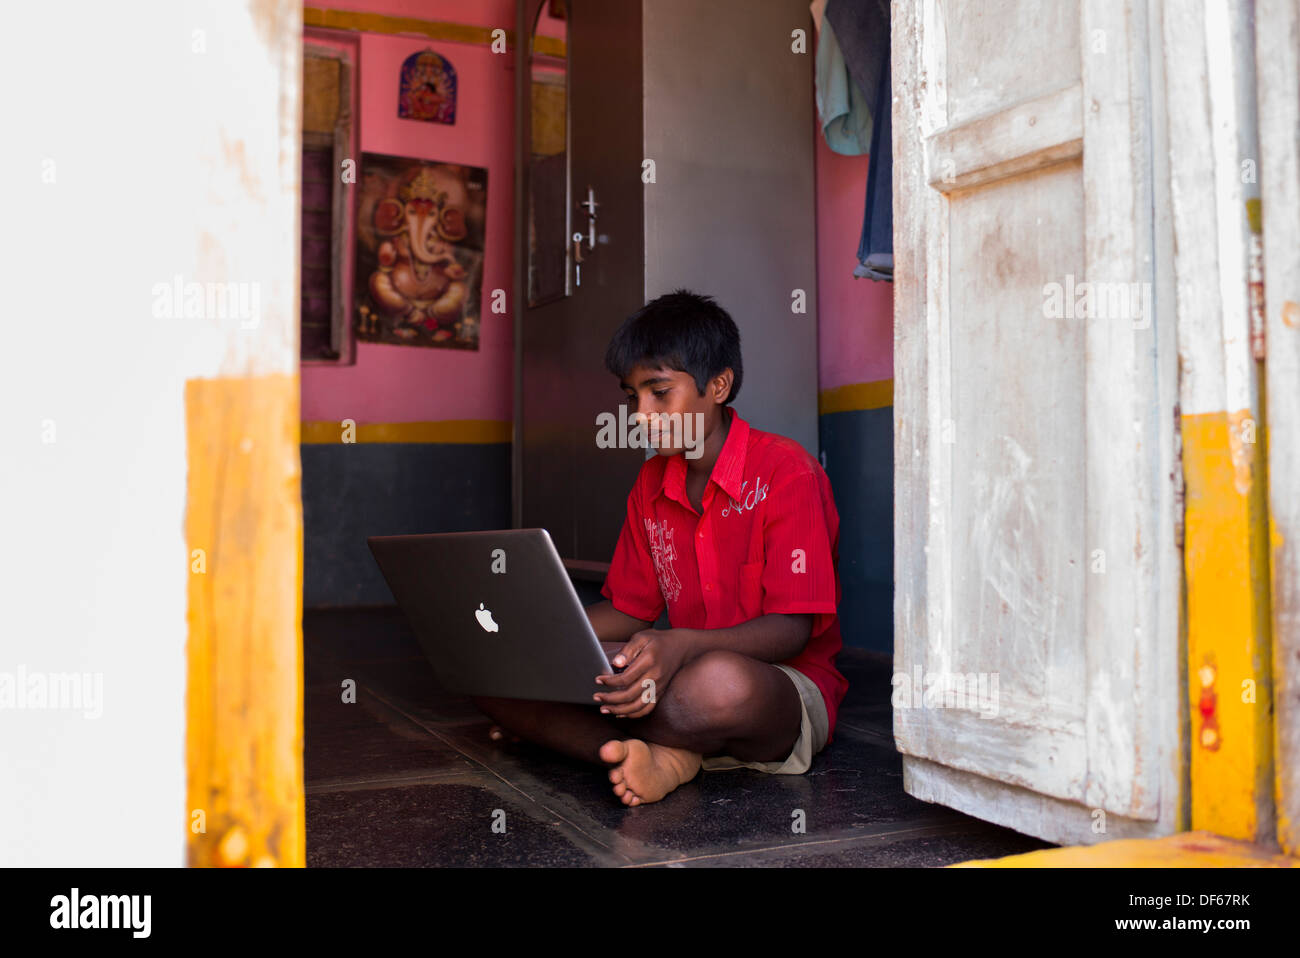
498,734
645,772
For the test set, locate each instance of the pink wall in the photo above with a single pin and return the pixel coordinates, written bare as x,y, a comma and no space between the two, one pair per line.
410,384
855,333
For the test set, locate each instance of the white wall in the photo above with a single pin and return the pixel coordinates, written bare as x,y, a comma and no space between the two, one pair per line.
142,142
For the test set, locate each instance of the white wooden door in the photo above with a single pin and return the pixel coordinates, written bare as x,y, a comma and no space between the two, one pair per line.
1037,566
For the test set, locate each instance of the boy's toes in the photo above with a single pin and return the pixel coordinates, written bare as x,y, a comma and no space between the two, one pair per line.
613,752
498,734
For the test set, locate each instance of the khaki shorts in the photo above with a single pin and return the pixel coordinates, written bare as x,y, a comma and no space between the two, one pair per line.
814,729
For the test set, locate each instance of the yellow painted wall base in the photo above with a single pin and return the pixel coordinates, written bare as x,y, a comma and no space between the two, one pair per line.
1184,850
243,525
1229,673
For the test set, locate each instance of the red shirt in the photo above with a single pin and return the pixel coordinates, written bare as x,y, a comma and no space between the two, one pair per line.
768,541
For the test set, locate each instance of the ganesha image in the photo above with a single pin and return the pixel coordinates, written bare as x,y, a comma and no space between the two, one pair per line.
417,282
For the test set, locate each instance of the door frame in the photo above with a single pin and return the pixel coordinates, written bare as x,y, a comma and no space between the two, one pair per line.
1277,54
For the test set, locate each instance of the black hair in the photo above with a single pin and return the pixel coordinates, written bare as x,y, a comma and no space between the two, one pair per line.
680,330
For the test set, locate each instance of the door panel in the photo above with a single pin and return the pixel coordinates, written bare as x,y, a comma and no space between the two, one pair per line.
1033,528
563,481
981,76
1015,469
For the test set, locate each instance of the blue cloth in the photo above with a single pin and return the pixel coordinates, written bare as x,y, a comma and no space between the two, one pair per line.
862,32
845,113
876,247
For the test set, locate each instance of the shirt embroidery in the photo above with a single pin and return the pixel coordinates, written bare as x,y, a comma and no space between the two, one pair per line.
748,500
664,553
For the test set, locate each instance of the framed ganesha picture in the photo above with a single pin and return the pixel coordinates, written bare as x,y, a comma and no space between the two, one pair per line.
419,252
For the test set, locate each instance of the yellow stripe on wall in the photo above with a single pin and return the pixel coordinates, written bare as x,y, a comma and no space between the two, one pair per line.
1229,671
873,395
243,528
446,430
360,22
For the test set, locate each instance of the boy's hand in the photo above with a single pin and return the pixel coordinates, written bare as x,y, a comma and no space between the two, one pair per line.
650,656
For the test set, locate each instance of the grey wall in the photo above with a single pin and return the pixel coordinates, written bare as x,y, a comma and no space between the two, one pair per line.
728,116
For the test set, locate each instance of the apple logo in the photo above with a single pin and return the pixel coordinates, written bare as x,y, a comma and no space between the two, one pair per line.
484,617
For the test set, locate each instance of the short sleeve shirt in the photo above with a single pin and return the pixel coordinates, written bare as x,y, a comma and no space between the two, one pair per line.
766,542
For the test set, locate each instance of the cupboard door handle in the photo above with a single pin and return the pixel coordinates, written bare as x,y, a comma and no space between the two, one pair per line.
577,259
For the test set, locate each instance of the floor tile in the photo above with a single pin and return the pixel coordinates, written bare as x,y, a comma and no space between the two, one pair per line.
943,845
354,742
433,825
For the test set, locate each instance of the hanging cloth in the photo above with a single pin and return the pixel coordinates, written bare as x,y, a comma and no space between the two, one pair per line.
844,112
861,28
876,246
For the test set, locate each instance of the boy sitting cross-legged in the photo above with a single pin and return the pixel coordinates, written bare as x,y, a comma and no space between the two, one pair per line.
739,540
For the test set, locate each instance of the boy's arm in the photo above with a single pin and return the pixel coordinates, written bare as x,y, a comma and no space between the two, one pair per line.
611,625
775,637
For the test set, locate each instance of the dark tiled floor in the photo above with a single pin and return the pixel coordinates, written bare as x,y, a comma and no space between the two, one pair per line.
406,776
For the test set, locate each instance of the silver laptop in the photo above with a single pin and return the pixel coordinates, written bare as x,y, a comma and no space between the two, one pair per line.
496,613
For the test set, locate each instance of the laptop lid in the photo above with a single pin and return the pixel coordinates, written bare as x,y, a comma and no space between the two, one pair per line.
495,613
